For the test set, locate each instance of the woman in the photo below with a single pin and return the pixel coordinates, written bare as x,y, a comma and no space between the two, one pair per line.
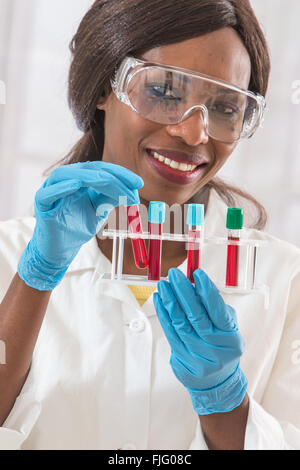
88,366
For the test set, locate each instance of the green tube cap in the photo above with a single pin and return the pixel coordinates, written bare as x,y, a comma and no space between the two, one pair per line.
235,219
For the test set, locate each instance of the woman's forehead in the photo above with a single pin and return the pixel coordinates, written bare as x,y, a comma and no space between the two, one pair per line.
220,54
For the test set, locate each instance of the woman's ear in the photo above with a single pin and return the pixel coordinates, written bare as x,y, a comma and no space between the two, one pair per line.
102,104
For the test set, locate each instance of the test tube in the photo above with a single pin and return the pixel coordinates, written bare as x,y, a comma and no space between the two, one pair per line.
138,244
235,221
156,217
195,221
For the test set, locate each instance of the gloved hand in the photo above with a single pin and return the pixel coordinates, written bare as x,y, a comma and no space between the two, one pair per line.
205,341
70,209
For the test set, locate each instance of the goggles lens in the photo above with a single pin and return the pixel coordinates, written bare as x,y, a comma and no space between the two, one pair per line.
169,97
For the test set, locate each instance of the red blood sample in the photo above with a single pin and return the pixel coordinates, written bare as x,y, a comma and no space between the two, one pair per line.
233,255
138,244
193,259
154,268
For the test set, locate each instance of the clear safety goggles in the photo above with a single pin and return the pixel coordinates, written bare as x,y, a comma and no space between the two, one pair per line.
170,95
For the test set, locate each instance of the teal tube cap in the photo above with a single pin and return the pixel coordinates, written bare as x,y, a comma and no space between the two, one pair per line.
195,214
157,212
235,219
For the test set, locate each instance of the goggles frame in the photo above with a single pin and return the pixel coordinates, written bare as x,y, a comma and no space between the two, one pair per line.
130,66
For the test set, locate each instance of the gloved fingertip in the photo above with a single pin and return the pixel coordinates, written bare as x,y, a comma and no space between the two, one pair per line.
140,182
133,179
202,281
200,275
162,286
232,318
157,303
175,274
136,197
155,298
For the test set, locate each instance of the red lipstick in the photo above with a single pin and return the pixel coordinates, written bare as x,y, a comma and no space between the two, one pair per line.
174,175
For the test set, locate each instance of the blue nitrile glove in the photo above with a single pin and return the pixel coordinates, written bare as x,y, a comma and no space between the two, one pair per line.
205,341
70,209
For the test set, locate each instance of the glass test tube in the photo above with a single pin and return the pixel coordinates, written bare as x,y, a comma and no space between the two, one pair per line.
138,244
195,221
156,217
235,221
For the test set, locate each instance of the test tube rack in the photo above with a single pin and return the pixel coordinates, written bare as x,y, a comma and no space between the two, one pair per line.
248,286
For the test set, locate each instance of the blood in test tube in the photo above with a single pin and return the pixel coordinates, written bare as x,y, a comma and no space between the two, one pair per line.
195,221
156,217
138,244
235,221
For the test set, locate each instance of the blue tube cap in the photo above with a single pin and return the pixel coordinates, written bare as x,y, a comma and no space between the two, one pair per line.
157,212
195,214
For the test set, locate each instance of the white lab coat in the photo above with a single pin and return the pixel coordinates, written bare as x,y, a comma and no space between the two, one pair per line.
100,376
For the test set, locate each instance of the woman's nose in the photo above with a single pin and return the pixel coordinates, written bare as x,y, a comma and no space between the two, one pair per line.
192,130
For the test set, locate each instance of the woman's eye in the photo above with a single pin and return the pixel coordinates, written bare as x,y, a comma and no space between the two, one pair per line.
224,108
164,93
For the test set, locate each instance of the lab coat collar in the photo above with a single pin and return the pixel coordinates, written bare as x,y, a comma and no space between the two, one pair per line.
90,257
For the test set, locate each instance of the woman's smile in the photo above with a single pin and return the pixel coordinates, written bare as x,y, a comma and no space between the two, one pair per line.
177,167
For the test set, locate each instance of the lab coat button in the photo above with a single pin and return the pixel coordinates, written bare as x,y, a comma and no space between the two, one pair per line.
128,447
137,325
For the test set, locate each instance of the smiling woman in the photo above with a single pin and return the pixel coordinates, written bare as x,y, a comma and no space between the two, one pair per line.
237,53
163,90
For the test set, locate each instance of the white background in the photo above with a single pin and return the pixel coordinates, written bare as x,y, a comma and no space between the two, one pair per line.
37,127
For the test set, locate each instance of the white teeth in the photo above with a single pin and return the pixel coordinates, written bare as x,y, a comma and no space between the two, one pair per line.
173,163
183,167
